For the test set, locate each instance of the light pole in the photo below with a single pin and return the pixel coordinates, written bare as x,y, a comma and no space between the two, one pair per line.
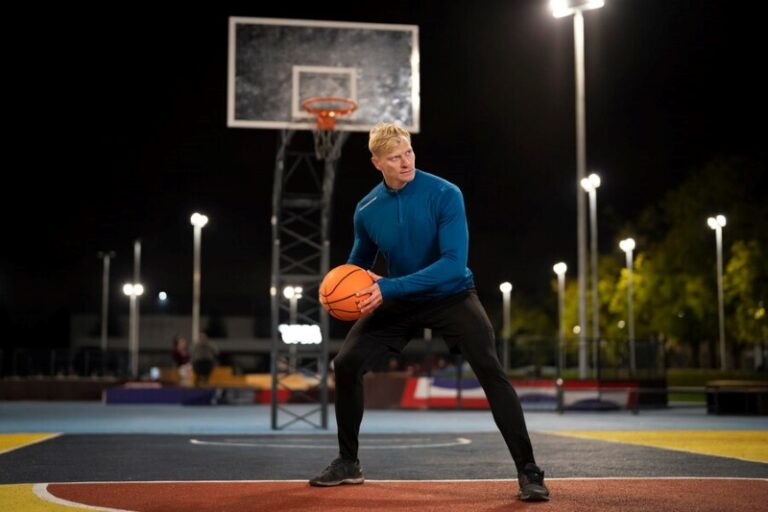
106,257
506,290
293,294
133,291
198,221
560,269
590,184
628,245
137,279
718,223
562,8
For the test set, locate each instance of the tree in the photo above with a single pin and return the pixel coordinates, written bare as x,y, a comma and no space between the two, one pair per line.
675,281
745,286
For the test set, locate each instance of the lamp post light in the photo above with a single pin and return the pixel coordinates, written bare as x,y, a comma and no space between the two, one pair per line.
560,269
718,223
506,290
133,291
590,184
628,245
198,221
106,257
293,294
562,8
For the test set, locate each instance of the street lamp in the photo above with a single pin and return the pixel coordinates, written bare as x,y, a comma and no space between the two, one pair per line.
560,269
561,8
133,291
106,257
590,184
718,223
198,221
506,290
293,294
628,245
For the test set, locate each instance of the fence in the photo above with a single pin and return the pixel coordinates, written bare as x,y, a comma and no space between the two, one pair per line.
528,356
94,362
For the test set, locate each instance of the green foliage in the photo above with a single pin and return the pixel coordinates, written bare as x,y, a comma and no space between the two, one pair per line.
674,272
745,284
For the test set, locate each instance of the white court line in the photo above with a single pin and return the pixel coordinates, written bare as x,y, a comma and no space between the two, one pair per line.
458,442
41,491
466,480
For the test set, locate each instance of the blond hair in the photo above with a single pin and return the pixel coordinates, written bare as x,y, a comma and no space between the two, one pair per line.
384,137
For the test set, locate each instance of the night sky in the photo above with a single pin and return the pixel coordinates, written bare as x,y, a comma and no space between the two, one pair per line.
119,132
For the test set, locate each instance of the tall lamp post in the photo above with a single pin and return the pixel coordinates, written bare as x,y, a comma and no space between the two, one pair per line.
106,257
560,9
718,223
628,245
133,291
560,269
590,184
293,294
137,279
198,222
506,290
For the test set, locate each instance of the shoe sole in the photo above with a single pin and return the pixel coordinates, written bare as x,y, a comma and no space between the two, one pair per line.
533,497
338,482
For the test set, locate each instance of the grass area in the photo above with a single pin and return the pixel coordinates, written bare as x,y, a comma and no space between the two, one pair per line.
676,377
693,398
697,377
700,377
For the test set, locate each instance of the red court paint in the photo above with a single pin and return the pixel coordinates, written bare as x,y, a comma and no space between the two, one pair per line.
605,495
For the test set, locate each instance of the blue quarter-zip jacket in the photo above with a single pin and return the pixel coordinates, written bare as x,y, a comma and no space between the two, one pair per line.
421,231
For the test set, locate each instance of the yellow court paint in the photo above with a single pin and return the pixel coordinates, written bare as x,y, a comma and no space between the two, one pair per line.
21,498
9,442
749,445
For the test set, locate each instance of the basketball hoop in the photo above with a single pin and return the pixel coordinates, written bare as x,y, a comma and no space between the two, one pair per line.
327,109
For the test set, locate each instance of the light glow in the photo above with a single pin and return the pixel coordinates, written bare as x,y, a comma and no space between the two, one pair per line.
300,334
198,220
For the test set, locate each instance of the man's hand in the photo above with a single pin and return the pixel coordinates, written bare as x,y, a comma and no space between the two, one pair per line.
374,300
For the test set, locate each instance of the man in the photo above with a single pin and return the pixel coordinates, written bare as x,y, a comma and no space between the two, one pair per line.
204,354
416,221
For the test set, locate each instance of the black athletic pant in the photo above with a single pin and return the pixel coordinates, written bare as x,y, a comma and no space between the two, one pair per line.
463,323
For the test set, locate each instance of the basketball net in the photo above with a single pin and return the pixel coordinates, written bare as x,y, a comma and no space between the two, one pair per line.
327,109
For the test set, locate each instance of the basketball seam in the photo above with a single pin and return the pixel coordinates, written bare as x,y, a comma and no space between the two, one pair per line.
338,283
335,311
329,302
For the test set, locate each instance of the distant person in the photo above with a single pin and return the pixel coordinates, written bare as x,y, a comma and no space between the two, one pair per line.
180,351
204,357
417,222
181,360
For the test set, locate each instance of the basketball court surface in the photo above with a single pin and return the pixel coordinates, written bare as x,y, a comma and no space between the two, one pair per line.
91,456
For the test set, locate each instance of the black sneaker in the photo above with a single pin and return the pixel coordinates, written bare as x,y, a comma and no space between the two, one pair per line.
531,480
338,472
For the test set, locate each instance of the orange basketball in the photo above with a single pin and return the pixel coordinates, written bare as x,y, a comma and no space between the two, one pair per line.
338,289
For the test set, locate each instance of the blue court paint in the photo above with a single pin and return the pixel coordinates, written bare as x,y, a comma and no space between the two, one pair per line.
98,418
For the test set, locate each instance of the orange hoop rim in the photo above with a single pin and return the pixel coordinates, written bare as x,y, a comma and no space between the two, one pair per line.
326,117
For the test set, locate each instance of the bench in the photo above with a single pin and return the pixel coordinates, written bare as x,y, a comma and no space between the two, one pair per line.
737,397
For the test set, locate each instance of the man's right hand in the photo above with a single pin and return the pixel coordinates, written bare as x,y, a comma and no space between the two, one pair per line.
374,300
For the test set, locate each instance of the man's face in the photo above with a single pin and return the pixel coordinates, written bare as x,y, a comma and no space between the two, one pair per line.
398,166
